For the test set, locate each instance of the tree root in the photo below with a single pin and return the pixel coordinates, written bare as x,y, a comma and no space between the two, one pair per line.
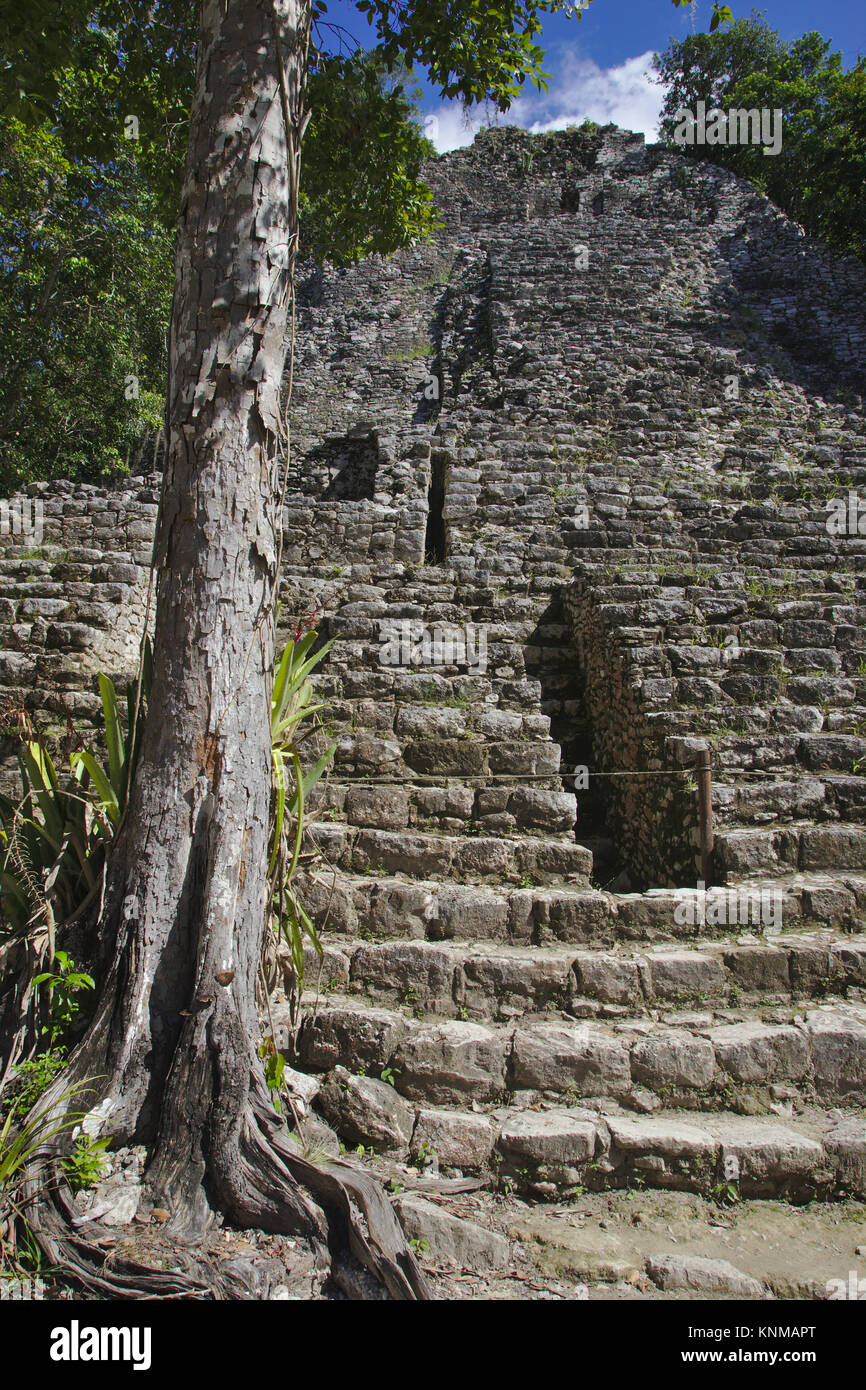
264,1183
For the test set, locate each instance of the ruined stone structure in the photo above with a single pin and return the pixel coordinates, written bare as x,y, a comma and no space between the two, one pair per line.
579,485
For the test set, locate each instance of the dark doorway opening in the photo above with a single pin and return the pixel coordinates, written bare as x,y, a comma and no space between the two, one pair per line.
436,543
346,468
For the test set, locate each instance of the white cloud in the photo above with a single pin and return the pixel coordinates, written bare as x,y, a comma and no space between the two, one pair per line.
581,90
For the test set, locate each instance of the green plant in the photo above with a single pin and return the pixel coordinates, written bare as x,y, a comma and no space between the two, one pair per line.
20,1142
425,1154
726,1194
389,1076
62,986
86,1164
112,788
419,1245
32,1078
275,1065
291,706
53,839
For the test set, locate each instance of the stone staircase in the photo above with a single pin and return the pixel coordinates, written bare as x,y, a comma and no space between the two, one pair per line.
654,572
599,425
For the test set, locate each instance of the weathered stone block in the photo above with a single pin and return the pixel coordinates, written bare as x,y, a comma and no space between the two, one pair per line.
685,975
673,1058
549,1138
459,1138
564,1057
838,1046
416,970
758,1054
348,1036
365,1111
613,979
703,1275
758,969
451,1238
450,1062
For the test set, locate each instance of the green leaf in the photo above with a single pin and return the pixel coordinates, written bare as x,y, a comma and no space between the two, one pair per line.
113,733
104,788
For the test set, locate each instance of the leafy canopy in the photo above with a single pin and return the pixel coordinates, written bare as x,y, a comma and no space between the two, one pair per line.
819,176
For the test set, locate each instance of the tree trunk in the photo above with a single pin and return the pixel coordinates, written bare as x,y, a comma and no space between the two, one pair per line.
184,912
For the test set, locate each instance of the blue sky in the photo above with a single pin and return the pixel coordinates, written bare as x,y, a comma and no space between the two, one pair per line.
600,64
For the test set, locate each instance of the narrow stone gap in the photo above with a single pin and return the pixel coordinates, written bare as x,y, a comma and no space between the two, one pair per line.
436,540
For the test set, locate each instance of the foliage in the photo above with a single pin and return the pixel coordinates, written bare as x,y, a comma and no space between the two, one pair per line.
292,707
86,1163
85,293
275,1065
130,56
722,14
819,176
363,151
293,718
52,840
32,1078
470,49
62,986
20,1142
47,842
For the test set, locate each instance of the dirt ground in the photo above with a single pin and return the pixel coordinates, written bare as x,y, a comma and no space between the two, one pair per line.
597,1247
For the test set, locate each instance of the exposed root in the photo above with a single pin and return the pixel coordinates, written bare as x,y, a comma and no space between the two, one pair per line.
361,1219
97,1261
262,1183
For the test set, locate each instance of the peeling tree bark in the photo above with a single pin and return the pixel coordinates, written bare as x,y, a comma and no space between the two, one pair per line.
186,889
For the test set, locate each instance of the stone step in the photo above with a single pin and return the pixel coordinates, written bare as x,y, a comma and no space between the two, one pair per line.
467,858
390,908
789,848
785,798
758,745
553,1152
455,810
431,688
401,756
715,1060
483,649
413,722
482,981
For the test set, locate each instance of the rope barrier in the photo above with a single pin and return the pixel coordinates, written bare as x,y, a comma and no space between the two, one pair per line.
518,779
